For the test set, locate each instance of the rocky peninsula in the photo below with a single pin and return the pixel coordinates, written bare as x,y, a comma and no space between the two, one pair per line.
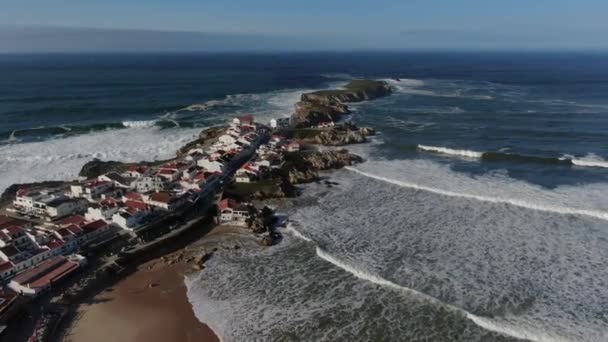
299,166
329,105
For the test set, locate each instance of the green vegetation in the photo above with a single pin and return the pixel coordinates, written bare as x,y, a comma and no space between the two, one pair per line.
245,191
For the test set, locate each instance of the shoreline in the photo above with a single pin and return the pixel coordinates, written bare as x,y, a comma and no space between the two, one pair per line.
148,305
148,301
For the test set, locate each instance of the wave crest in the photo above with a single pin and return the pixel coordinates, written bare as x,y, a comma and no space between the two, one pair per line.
591,160
602,215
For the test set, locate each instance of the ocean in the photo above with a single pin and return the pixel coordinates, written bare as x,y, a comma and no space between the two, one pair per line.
480,213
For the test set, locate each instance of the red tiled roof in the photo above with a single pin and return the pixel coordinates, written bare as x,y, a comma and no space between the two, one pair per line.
56,274
7,221
47,272
227,203
137,168
74,229
167,172
45,266
65,232
137,205
133,196
22,191
163,197
73,220
5,266
14,230
95,183
93,226
55,244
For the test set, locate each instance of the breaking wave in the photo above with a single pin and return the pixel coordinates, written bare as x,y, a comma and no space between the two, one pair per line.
139,124
61,159
420,88
590,160
602,215
485,323
445,150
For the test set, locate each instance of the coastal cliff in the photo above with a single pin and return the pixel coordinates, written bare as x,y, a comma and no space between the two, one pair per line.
329,105
303,167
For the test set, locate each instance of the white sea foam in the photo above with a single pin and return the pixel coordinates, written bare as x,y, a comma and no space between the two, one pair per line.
603,215
591,160
290,228
139,123
514,264
433,89
486,323
455,152
61,159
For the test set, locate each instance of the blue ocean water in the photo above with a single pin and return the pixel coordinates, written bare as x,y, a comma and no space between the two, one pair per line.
480,213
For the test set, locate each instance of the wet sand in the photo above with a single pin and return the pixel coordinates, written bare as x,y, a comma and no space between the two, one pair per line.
148,305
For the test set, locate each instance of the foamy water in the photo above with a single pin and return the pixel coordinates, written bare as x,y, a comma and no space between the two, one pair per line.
407,247
62,159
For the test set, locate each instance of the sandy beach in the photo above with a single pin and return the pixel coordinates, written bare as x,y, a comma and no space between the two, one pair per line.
148,305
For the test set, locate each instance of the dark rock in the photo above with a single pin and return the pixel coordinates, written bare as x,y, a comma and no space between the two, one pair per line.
9,194
329,105
96,168
267,241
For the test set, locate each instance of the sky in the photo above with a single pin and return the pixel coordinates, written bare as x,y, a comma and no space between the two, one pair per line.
73,25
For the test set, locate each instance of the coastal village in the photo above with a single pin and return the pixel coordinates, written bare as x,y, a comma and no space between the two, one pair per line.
50,236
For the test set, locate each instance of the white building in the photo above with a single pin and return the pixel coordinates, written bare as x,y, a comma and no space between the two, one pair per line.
149,183
211,165
227,139
62,207
231,212
91,189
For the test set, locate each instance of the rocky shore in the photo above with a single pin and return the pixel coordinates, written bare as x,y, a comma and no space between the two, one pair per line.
297,168
329,105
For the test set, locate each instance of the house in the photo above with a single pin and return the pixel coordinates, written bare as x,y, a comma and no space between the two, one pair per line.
245,177
196,182
33,202
61,207
41,277
93,229
117,180
164,200
326,124
247,120
211,165
149,183
227,139
91,189
75,220
102,211
232,212
168,175
133,215
136,171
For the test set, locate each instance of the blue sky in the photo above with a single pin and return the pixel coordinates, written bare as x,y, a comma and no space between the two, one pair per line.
356,24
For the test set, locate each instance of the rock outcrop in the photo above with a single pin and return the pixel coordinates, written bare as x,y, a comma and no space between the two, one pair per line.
9,194
96,168
342,136
303,167
309,113
204,135
329,105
